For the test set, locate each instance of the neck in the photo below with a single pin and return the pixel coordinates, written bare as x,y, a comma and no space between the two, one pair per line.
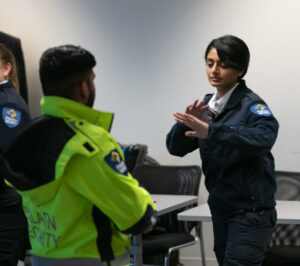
222,92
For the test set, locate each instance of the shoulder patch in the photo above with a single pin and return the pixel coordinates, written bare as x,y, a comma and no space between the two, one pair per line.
115,161
261,109
11,117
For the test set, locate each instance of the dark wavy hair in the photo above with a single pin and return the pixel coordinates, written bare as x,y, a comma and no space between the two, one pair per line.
63,67
232,51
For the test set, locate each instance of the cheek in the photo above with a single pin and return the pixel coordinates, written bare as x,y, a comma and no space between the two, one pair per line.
230,76
1,75
208,71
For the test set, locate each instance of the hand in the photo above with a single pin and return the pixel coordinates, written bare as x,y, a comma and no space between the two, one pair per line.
200,128
197,109
148,229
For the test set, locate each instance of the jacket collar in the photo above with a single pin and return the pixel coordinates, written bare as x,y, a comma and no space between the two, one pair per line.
68,109
6,85
237,95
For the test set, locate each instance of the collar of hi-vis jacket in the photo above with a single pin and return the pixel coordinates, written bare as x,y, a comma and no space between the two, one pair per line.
68,109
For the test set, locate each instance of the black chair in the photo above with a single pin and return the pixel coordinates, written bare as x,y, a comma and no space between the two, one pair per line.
136,154
284,247
170,234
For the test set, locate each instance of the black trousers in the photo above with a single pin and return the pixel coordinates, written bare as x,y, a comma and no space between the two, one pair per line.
13,235
241,238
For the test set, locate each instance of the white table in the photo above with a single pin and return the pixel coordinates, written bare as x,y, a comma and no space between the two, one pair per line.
168,203
288,212
164,204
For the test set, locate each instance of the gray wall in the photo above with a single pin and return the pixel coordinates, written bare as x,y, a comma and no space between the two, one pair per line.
150,61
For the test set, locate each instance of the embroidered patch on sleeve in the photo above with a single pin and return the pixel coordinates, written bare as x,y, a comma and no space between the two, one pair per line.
11,117
261,109
115,161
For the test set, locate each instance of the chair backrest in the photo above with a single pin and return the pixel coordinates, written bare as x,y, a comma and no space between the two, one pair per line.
167,179
136,154
288,188
172,180
288,185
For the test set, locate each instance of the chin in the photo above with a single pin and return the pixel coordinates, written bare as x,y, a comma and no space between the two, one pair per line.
215,84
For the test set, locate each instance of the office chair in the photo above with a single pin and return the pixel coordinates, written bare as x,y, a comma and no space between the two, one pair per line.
136,154
284,247
170,234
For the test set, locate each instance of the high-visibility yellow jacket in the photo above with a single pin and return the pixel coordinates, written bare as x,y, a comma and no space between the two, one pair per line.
79,199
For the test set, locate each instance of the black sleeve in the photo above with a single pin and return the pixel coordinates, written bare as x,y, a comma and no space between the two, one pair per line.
150,218
178,144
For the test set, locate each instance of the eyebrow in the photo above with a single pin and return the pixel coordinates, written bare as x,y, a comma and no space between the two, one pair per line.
211,60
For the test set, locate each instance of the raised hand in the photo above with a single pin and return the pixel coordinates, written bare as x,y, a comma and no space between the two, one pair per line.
199,127
197,109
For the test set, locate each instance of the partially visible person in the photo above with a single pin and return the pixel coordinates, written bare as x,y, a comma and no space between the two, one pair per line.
14,118
235,130
80,201
14,45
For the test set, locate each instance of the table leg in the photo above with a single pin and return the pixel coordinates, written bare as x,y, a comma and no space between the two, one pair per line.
137,250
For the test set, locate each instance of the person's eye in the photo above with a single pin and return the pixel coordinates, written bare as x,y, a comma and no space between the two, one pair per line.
223,65
209,64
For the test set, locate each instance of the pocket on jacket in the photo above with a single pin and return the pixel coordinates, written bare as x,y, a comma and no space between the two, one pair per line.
261,219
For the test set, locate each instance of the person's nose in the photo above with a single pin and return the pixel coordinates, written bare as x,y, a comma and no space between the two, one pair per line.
215,68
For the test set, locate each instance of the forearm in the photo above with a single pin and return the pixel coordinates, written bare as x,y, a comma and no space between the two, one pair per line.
178,143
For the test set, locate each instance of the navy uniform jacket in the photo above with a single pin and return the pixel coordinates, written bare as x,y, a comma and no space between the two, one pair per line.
14,117
236,158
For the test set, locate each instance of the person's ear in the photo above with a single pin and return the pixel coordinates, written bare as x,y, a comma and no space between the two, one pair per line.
83,92
7,69
241,73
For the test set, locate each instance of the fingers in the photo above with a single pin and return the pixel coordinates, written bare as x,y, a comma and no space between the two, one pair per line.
189,121
201,103
207,118
179,119
148,230
199,109
192,107
189,108
204,107
195,103
191,134
183,118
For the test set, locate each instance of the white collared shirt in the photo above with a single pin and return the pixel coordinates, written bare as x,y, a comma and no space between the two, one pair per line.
217,106
4,81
